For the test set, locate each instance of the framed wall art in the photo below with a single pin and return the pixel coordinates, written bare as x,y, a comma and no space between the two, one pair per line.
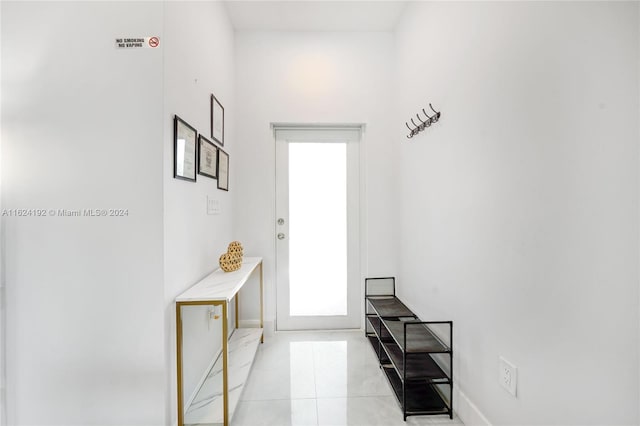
184,150
207,158
217,121
223,170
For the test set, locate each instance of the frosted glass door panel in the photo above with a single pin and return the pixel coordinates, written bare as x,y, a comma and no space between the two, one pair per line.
318,229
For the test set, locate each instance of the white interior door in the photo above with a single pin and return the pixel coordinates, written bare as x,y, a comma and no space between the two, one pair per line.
317,229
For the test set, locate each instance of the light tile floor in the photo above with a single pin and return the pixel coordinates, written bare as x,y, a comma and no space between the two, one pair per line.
322,379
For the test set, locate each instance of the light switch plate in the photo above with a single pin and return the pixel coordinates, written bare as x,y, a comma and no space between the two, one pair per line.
213,205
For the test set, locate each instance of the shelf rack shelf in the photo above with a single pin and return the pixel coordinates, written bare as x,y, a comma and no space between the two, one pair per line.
417,361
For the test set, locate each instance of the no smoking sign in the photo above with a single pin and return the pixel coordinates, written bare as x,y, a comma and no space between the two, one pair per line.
137,42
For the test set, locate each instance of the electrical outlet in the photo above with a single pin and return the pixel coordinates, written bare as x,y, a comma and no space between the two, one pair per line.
508,376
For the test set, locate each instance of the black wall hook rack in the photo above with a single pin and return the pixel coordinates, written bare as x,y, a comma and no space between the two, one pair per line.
423,124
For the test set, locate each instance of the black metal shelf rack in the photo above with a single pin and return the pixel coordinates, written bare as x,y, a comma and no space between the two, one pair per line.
417,362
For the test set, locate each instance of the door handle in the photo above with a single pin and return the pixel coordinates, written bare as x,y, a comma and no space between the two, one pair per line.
281,236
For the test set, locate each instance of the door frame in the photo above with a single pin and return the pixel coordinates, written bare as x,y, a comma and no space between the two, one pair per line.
362,202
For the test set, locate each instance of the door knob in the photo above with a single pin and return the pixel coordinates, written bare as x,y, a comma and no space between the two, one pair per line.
281,236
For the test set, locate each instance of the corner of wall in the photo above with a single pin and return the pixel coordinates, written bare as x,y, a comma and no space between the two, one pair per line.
638,178
193,239
3,318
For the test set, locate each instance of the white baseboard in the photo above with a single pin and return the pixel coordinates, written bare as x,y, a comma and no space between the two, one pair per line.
467,411
248,323
267,325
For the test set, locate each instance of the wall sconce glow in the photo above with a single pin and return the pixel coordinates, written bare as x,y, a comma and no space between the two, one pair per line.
312,74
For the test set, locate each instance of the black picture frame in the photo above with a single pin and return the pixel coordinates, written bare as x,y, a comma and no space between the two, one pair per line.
185,157
223,170
207,158
217,120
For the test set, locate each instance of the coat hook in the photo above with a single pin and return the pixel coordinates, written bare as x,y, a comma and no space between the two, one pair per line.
428,122
437,116
413,131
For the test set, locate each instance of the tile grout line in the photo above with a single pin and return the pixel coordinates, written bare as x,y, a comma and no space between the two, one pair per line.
315,384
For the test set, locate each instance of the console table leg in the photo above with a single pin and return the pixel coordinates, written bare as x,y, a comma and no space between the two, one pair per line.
237,312
261,305
179,364
225,360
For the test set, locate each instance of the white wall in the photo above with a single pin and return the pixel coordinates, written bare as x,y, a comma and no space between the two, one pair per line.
298,77
81,124
91,319
199,61
520,208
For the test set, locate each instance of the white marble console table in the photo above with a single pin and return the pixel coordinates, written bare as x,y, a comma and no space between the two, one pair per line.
211,406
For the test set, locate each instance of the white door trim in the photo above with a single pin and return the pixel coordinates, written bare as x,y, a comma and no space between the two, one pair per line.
361,190
318,126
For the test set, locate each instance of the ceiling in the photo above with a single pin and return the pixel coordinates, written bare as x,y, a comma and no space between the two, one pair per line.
314,15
